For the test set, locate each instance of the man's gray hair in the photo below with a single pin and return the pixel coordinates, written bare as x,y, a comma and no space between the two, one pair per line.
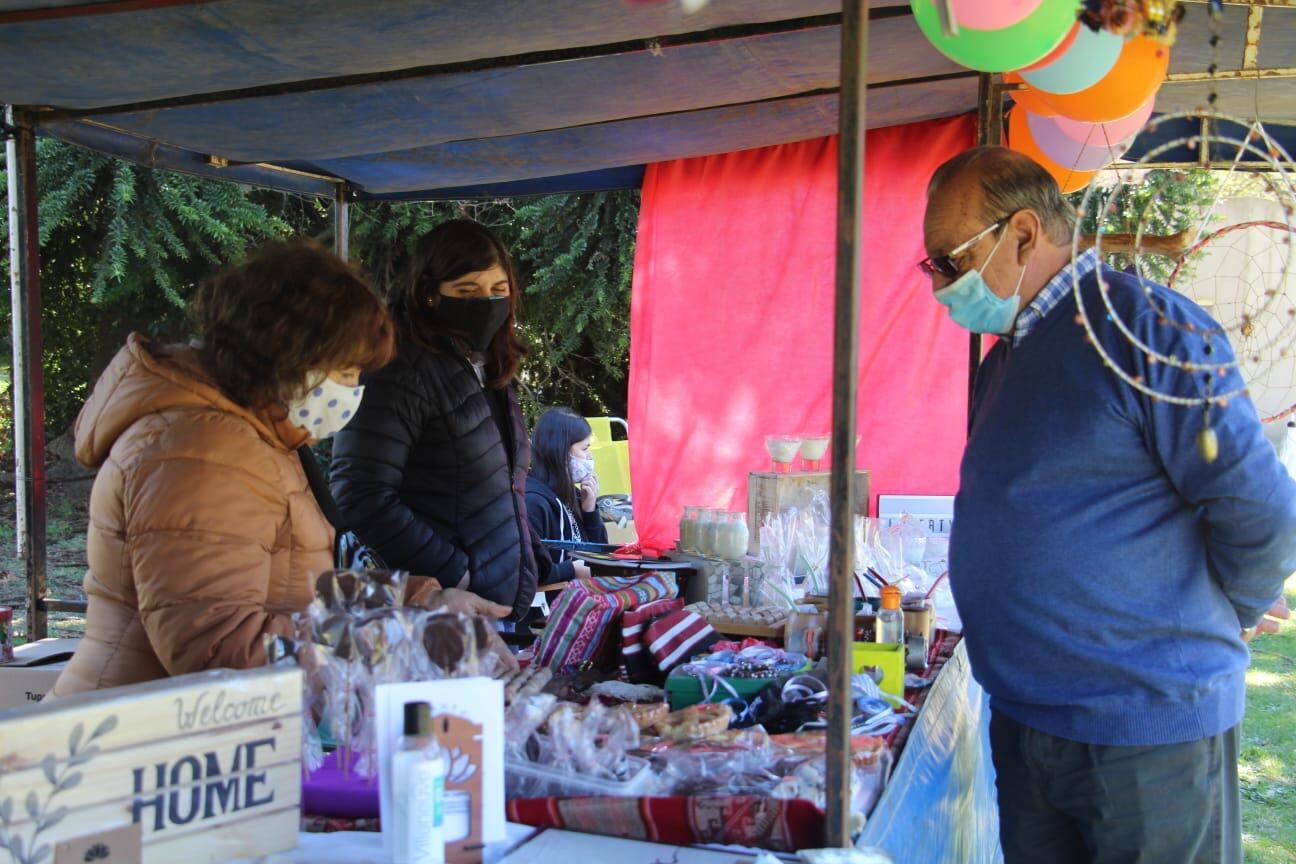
1010,182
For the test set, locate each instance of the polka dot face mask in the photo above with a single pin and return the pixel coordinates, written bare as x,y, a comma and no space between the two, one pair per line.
324,410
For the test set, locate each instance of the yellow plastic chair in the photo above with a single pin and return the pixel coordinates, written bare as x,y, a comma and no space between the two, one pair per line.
601,427
611,458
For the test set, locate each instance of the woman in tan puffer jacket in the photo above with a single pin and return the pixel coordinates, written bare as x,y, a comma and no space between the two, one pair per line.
204,534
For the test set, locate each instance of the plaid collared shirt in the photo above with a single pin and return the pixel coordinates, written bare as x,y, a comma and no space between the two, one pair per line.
1052,293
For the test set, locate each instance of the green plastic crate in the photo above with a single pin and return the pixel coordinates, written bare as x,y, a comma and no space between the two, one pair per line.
685,690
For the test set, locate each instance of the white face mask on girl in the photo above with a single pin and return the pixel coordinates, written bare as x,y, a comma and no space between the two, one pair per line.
324,410
580,468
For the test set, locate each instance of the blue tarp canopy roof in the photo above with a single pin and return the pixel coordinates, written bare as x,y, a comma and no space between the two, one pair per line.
404,99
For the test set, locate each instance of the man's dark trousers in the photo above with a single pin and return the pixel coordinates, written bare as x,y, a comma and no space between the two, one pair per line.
1063,801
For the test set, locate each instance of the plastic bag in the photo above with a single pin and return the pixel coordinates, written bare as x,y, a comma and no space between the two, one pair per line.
778,541
355,636
283,651
812,551
594,740
455,646
910,539
522,720
734,764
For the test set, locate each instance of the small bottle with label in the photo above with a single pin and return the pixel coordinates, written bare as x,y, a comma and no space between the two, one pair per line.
890,620
418,791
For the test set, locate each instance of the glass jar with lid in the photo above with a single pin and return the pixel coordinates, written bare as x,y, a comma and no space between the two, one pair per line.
731,536
688,529
708,519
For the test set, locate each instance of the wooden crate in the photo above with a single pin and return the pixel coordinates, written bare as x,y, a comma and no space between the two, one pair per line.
200,768
774,493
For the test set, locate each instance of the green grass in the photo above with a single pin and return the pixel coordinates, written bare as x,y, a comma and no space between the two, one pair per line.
1267,763
66,564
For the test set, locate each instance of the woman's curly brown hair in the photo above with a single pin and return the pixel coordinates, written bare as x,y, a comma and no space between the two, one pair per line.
288,311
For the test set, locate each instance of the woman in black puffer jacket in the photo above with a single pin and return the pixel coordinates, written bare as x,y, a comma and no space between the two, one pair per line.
432,470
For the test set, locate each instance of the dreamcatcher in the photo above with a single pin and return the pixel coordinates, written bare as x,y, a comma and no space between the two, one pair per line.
1242,262
1242,268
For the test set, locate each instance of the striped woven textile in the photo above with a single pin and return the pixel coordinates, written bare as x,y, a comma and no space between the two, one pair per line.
639,665
582,618
675,638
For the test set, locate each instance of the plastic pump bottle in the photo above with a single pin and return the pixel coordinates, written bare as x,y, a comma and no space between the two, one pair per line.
418,791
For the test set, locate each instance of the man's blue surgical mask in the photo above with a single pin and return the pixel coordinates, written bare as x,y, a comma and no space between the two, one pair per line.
974,306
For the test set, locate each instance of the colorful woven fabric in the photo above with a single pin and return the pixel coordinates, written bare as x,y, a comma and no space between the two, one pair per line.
330,824
747,820
675,638
634,654
584,614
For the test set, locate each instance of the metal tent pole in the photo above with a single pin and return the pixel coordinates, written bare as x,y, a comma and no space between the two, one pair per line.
28,377
18,369
342,221
841,550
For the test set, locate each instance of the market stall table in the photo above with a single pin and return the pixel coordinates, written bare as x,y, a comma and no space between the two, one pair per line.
939,786
366,847
525,845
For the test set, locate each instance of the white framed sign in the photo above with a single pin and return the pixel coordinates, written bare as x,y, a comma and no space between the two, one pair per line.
935,512
201,767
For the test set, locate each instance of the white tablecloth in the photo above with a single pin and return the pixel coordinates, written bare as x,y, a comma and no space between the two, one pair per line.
525,845
365,847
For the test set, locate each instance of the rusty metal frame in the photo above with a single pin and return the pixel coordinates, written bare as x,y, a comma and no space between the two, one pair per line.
845,386
29,379
342,222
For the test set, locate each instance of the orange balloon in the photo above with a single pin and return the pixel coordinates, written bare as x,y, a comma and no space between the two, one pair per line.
1134,79
1028,98
1019,139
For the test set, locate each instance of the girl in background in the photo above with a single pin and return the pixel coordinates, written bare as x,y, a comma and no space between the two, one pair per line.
562,490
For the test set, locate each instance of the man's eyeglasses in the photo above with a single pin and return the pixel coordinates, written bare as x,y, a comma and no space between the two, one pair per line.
944,265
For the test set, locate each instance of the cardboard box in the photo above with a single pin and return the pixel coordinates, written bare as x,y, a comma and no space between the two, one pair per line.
622,535
35,668
889,658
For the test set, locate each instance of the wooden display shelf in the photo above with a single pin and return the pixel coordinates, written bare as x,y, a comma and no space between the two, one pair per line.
758,631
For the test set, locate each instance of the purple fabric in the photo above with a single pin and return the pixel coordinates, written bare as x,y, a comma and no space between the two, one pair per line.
327,792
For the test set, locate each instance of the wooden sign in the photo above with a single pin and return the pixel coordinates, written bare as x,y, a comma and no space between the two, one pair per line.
205,767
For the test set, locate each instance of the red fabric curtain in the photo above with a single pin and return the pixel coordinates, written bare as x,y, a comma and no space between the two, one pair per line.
732,317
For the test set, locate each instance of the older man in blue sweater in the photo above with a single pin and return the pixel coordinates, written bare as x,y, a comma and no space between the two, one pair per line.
1107,572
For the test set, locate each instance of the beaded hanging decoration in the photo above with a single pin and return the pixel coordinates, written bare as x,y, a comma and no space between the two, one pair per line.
1155,18
1215,382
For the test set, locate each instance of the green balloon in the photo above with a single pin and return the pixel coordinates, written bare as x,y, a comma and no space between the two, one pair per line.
1006,50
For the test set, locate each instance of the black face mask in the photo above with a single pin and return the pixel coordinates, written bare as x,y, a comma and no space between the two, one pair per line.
476,319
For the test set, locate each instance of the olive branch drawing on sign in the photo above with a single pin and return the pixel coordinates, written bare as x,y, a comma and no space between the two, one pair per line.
43,814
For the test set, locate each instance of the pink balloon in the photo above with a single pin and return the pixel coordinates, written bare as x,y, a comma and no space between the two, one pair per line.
1114,130
991,14
1071,153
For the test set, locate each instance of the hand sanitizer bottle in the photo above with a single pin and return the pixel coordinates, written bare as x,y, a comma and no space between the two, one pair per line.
418,789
